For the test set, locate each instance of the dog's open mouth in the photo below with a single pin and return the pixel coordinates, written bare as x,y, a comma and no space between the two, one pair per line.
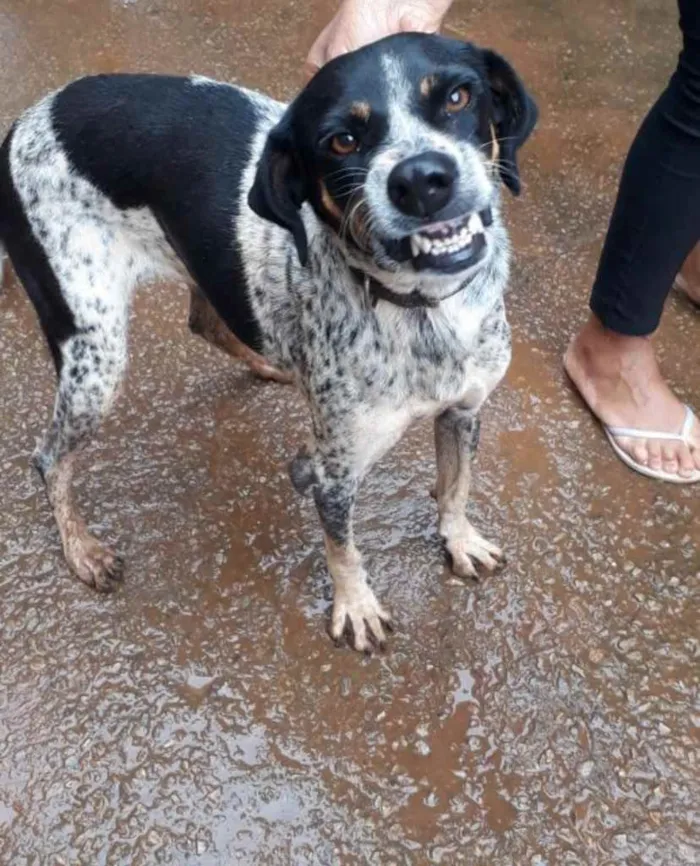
450,246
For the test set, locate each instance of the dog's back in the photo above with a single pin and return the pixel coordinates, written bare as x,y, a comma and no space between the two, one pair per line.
140,138
106,147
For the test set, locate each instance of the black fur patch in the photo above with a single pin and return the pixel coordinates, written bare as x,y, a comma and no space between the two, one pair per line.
126,134
334,503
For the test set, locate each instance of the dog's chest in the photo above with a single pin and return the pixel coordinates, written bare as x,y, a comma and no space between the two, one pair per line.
414,362
421,362
409,374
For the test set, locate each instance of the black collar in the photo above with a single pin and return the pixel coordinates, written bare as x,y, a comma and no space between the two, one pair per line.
408,300
379,292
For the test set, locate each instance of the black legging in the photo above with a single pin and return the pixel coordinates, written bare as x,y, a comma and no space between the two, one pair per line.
656,221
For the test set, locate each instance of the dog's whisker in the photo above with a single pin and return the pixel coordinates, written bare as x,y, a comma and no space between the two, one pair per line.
508,170
350,170
349,189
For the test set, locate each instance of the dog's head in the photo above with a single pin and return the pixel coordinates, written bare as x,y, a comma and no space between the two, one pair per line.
400,147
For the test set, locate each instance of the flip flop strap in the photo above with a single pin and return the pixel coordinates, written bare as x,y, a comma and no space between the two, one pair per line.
632,433
687,424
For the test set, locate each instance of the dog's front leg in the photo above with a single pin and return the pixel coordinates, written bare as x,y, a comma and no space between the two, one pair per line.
456,440
356,611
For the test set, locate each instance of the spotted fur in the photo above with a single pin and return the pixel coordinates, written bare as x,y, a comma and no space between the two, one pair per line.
118,180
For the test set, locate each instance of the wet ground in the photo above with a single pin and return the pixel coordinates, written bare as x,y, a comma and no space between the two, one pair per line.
201,715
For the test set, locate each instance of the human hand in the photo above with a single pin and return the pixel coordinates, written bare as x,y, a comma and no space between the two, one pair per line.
359,22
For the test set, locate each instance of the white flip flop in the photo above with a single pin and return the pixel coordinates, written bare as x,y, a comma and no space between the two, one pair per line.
614,433
680,285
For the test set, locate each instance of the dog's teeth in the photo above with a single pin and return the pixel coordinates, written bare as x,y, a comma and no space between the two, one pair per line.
455,241
475,224
449,240
419,244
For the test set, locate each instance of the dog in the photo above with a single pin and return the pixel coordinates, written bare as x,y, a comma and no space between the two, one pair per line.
351,242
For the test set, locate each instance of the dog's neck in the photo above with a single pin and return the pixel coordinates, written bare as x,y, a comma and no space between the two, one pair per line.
377,291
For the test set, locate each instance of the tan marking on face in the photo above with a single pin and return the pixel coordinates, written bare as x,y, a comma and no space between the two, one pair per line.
427,84
495,146
360,110
329,204
358,224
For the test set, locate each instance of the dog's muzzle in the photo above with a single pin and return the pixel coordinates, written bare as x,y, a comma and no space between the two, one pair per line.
449,246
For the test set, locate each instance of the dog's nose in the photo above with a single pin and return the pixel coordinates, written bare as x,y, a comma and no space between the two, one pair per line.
422,185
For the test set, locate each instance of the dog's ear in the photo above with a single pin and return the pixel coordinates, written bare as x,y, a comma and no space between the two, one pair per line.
279,189
514,115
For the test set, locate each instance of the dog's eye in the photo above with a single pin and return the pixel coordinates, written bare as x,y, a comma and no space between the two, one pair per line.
344,144
458,100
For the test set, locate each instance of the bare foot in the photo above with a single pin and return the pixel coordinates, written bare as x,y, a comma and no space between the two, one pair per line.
688,281
619,379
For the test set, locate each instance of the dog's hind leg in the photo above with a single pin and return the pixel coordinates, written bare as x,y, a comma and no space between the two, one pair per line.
207,323
456,440
85,328
92,365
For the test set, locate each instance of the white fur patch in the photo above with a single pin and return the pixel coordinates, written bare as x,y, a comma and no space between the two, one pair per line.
99,253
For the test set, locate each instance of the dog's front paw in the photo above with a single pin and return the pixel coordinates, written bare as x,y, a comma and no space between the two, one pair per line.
358,615
467,549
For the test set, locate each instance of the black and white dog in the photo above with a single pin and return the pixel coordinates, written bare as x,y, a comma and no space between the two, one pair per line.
351,242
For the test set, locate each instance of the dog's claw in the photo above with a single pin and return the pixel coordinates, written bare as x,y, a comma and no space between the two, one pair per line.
468,550
463,566
94,563
358,616
116,570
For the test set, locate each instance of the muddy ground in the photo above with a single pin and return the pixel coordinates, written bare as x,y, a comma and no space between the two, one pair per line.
201,715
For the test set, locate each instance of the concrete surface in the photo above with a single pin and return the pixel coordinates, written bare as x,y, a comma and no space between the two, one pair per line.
201,715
